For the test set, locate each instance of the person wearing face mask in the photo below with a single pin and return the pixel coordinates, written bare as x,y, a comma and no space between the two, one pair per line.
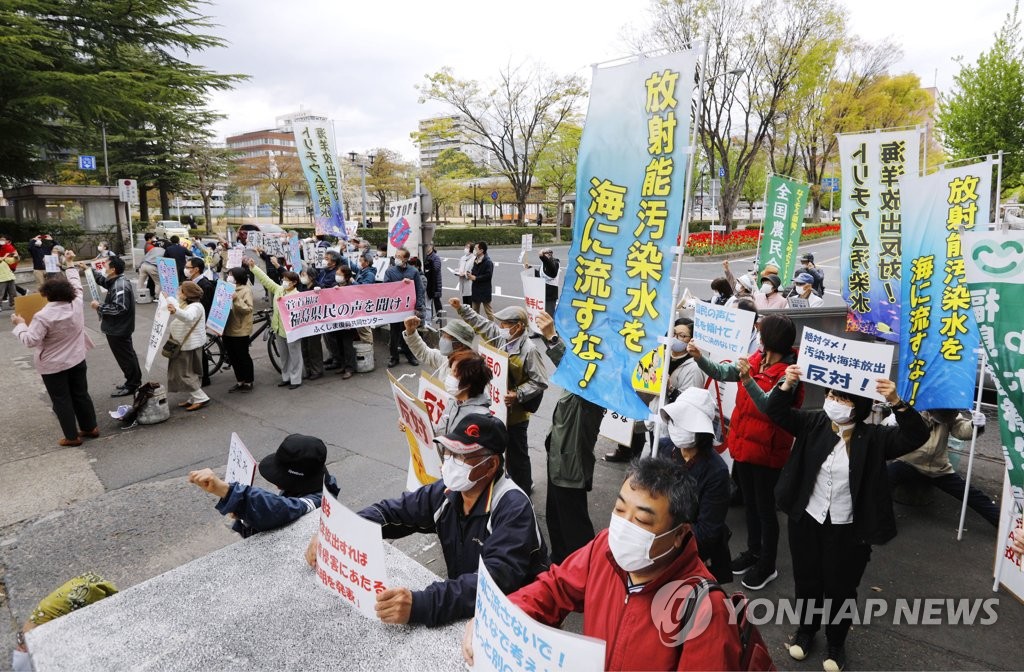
238,329
803,288
614,581
291,353
313,352
188,328
759,447
464,290
835,491
768,296
466,384
194,269
807,261
312,347
481,276
743,286
403,270
722,293
456,336
117,322
8,262
344,339
477,514
527,379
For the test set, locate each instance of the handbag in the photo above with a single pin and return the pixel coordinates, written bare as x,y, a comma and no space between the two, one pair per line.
172,347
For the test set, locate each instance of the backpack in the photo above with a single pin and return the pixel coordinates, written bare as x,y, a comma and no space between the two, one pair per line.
754,655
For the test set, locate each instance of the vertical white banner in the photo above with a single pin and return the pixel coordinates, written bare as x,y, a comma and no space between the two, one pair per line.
158,334
533,297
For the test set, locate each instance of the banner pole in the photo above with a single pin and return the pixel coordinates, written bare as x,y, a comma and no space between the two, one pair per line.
999,189
760,230
974,437
684,233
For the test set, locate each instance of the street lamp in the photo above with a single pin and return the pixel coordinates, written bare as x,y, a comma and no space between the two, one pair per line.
362,170
474,185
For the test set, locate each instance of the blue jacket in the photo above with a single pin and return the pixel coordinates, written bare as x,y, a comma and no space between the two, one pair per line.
259,510
366,276
396,274
326,278
513,549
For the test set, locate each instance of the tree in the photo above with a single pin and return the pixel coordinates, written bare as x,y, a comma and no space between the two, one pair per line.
446,180
276,175
984,112
556,167
514,121
388,177
209,167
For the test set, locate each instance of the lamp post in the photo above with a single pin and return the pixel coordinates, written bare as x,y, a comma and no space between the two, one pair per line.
474,185
362,171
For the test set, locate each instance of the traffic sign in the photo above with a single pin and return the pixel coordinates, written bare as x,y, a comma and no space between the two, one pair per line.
494,195
127,191
721,171
86,162
830,183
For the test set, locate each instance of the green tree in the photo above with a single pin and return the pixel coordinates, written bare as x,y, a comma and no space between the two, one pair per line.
275,176
209,167
513,121
388,177
984,113
556,167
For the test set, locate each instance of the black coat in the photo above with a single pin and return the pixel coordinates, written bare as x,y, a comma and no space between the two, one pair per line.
179,254
870,447
483,271
209,288
432,271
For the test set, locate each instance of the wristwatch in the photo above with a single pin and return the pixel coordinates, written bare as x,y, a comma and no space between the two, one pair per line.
555,340
900,405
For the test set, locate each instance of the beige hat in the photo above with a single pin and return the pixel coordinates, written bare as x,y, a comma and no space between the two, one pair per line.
512,314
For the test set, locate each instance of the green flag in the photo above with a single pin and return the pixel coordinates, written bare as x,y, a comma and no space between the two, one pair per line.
783,222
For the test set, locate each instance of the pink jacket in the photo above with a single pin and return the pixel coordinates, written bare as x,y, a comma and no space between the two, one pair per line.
57,333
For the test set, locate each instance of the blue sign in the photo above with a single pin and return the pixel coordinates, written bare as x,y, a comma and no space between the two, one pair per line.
221,307
721,171
87,163
494,195
830,183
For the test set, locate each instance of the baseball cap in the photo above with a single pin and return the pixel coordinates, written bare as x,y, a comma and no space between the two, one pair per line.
474,432
298,466
804,279
807,257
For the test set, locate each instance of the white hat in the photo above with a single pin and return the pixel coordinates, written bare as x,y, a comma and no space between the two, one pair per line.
746,281
693,410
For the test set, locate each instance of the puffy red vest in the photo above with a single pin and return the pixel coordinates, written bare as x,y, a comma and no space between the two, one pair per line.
753,438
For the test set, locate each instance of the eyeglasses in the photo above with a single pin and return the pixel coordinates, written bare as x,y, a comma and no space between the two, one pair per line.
443,452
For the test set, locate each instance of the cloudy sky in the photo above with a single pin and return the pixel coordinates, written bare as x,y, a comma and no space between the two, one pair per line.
360,63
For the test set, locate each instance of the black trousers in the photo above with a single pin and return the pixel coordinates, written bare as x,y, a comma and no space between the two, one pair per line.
69,394
827,566
397,342
952,484
237,348
569,526
517,457
313,355
346,339
124,354
758,486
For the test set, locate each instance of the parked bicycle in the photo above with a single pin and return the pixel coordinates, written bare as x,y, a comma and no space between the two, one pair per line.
217,356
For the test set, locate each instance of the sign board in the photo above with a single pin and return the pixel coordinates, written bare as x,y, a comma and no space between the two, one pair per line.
721,171
295,250
86,162
51,263
404,226
525,245
617,427
241,464
494,195
94,289
158,334
168,271
718,228
350,558
220,308
30,304
505,639
829,184
424,464
1009,571
433,395
799,302
842,364
127,191
308,313
723,333
497,362
648,372
533,297
235,257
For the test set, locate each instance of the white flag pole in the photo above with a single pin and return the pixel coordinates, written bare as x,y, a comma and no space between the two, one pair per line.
974,437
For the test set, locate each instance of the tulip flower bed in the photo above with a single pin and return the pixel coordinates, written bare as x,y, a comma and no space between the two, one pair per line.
699,244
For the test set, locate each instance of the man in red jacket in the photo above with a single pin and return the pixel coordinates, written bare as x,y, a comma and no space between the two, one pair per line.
631,584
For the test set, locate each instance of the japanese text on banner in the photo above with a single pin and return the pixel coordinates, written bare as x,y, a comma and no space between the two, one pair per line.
308,313
315,144
842,364
723,332
784,218
424,463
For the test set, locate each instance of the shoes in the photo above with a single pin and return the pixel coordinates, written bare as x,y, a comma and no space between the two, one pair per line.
346,374
246,387
801,645
284,383
413,361
393,362
237,387
295,387
91,434
621,454
122,391
744,561
184,404
758,577
205,383
69,442
835,661
199,404
314,376
331,367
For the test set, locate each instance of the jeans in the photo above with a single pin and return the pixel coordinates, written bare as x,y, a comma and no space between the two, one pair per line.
758,486
952,484
69,393
123,350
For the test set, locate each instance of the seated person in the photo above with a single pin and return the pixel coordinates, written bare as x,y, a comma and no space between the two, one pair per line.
615,579
477,512
803,287
690,441
297,468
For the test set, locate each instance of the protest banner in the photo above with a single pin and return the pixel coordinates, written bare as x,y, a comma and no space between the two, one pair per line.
871,227
404,226
100,263
94,289
433,395
630,184
798,302
723,333
1008,569
51,263
220,308
295,251
315,143
158,334
525,245
241,464
253,240
307,313
424,463
274,244
649,371
938,364
314,254
350,558
505,639
235,256
842,364
497,362
616,427
27,306
533,298
784,219
994,267
168,271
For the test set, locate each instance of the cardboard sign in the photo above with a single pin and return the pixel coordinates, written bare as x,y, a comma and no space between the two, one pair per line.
525,245
220,308
799,302
308,313
424,464
505,639
616,427
842,364
235,256
314,255
497,362
253,240
27,306
241,464
433,395
94,289
158,334
295,251
168,271
723,333
1009,571
534,297
100,263
51,263
350,559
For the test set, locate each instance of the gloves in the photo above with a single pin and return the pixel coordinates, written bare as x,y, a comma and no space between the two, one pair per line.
978,419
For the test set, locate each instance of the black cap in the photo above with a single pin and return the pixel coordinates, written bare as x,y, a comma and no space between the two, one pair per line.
474,432
298,466
774,279
807,257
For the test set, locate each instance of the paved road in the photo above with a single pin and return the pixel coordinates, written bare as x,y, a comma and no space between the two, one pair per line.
119,505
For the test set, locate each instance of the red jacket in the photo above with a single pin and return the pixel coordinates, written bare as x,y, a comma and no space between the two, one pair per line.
753,438
9,249
589,581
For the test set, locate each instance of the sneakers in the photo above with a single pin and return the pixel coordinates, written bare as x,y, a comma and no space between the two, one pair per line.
835,661
801,645
758,577
743,562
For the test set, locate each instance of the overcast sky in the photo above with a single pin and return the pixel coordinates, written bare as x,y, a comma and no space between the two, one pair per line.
359,63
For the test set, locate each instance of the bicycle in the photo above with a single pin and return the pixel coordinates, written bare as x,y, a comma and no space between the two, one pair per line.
217,357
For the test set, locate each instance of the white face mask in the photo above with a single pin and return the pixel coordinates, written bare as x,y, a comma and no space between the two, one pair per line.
340,279
456,475
304,278
445,346
505,333
841,414
631,544
739,288
231,280
452,385
766,288
681,438
288,284
678,346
